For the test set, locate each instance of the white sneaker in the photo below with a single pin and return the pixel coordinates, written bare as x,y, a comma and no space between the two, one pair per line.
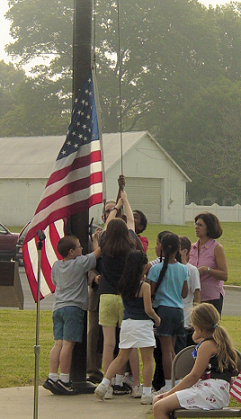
109,393
137,392
128,379
145,399
161,391
101,391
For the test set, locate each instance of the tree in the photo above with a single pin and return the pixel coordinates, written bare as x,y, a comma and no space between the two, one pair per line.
30,106
180,72
205,140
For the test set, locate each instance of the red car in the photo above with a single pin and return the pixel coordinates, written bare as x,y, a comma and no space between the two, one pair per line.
8,243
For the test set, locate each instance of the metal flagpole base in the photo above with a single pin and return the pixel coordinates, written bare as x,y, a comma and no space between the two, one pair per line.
84,387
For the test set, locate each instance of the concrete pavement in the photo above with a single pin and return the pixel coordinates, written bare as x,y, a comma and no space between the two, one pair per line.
18,403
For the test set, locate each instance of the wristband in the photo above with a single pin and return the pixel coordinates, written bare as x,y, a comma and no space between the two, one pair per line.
115,209
208,269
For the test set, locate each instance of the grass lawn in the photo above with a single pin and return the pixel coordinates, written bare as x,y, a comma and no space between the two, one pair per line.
17,342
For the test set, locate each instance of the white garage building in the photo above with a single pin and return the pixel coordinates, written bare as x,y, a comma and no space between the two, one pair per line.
155,184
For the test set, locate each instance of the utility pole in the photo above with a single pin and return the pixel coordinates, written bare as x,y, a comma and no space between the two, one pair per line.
82,32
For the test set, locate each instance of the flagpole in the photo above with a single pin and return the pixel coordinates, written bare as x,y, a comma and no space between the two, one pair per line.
82,32
41,238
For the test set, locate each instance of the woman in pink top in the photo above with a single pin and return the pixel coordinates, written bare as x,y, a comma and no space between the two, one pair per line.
209,257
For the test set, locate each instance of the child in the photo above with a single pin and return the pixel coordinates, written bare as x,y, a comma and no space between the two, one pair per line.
136,327
207,385
158,379
71,302
140,226
169,285
158,250
193,296
117,240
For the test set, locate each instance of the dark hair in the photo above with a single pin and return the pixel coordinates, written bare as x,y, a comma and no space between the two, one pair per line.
214,229
185,243
65,244
162,234
117,238
160,237
170,244
143,220
131,277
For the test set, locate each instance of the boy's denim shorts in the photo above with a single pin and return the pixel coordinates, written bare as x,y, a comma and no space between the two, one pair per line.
68,324
172,321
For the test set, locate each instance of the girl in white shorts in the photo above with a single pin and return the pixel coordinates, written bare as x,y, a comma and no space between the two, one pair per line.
207,385
137,326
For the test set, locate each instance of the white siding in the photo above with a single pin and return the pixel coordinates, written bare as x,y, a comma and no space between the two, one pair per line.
145,195
19,200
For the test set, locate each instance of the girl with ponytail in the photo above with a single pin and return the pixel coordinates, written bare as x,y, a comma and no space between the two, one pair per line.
207,385
169,286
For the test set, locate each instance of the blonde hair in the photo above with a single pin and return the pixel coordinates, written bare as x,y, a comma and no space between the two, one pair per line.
206,317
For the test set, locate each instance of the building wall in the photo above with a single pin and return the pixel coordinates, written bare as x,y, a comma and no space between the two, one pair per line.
146,165
154,184
19,199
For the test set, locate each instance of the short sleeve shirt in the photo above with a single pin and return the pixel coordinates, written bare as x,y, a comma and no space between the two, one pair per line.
169,292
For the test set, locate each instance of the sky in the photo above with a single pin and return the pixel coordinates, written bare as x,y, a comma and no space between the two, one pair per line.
4,24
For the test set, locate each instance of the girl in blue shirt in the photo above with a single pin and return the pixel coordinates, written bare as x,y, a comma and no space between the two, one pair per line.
169,286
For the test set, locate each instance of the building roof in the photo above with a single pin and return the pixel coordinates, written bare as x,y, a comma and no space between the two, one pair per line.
34,157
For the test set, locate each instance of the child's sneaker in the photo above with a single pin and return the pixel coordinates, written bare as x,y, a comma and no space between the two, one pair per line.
109,393
119,390
101,391
128,380
49,385
145,399
137,392
161,391
65,388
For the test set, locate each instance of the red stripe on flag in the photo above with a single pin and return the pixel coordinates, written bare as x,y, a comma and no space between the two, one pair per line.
65,212
78,163
70,188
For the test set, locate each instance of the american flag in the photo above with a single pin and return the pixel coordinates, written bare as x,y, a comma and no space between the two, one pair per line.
75,184
236,389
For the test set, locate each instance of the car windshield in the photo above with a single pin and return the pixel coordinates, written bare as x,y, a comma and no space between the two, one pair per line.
3,230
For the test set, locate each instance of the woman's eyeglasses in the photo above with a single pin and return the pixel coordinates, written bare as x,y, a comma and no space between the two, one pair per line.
199,225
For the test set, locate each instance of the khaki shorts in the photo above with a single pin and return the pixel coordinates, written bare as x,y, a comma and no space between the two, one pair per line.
110,310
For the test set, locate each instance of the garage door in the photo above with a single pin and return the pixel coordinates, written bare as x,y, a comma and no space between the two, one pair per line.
145,195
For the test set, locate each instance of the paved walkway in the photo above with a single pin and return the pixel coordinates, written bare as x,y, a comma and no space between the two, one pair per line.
18,403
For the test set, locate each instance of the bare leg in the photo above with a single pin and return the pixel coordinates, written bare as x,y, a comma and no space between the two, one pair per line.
116,366
66,356
135,366
168,355
109,346
147,371
162,407
54,356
